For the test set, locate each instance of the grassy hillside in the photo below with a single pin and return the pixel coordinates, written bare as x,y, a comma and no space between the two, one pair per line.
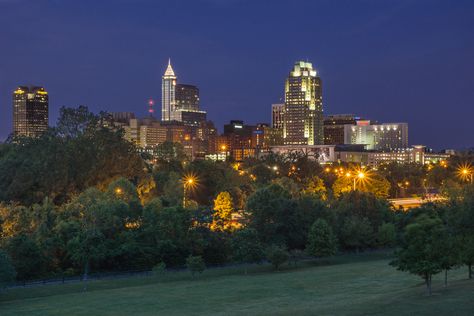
363,287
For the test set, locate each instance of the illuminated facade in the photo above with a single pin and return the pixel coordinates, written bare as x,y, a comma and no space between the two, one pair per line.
381,137
277,115
168,94
334,127
303,111
30,111
187,97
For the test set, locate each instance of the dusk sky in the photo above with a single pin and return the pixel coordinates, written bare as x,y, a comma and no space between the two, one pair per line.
391,61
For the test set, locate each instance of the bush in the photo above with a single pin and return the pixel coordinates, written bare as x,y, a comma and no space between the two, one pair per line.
277,256
195,264
159,268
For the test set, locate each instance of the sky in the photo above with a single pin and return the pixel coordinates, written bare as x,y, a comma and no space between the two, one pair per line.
386,60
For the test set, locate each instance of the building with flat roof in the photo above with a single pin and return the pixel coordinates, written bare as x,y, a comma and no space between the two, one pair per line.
380,137
30,111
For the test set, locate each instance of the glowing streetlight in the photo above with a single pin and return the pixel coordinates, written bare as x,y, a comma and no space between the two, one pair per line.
466,172
189,181
118,190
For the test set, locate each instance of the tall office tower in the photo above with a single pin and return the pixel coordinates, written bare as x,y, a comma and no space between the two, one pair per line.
168,94
187,97
303,116
277,115
30,111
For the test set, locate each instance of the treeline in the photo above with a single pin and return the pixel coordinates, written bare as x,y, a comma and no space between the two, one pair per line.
111,230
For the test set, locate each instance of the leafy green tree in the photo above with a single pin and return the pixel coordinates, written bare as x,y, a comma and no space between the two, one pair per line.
321,240
246,247
289,185
356,233
277,256
26,257
169,152
272,214
64,162
421,252
362,204
195,264
173,190
386,235
7,271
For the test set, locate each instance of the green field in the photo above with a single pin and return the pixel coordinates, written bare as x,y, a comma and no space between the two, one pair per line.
357,288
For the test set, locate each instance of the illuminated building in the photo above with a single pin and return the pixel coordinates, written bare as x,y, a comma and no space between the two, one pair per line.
30,111
334,127
168,94
187,97
152,134
180,102
381,137
303,111
277,115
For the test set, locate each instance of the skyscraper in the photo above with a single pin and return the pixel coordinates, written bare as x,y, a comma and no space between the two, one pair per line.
303,115
180,102
168,94
187,97
30,111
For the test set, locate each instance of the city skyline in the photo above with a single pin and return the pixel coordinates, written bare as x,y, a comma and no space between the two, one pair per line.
396,85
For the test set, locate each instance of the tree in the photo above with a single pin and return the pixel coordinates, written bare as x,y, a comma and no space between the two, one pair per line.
273,215
25,256
195,264
420,252
315,186
223,208
386,235
277,256
7,271
321,240
246,247
376,184
356,233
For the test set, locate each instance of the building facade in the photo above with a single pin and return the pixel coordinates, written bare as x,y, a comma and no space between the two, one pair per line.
187,97
334,127
380,137
168,94
277,115
303,112
30,111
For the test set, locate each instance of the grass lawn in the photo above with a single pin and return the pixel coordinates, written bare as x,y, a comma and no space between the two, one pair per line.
357,288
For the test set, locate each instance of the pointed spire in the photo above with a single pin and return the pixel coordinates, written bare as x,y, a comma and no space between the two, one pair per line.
169,70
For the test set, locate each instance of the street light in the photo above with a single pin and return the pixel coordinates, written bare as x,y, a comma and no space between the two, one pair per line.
465,172
188,181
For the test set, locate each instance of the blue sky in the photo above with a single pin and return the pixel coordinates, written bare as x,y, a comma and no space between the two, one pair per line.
388,60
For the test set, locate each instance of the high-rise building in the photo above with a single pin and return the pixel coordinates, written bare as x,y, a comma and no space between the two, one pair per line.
381,137
277,115
30,111
303,115
187,97
334,127
180,102
168,94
